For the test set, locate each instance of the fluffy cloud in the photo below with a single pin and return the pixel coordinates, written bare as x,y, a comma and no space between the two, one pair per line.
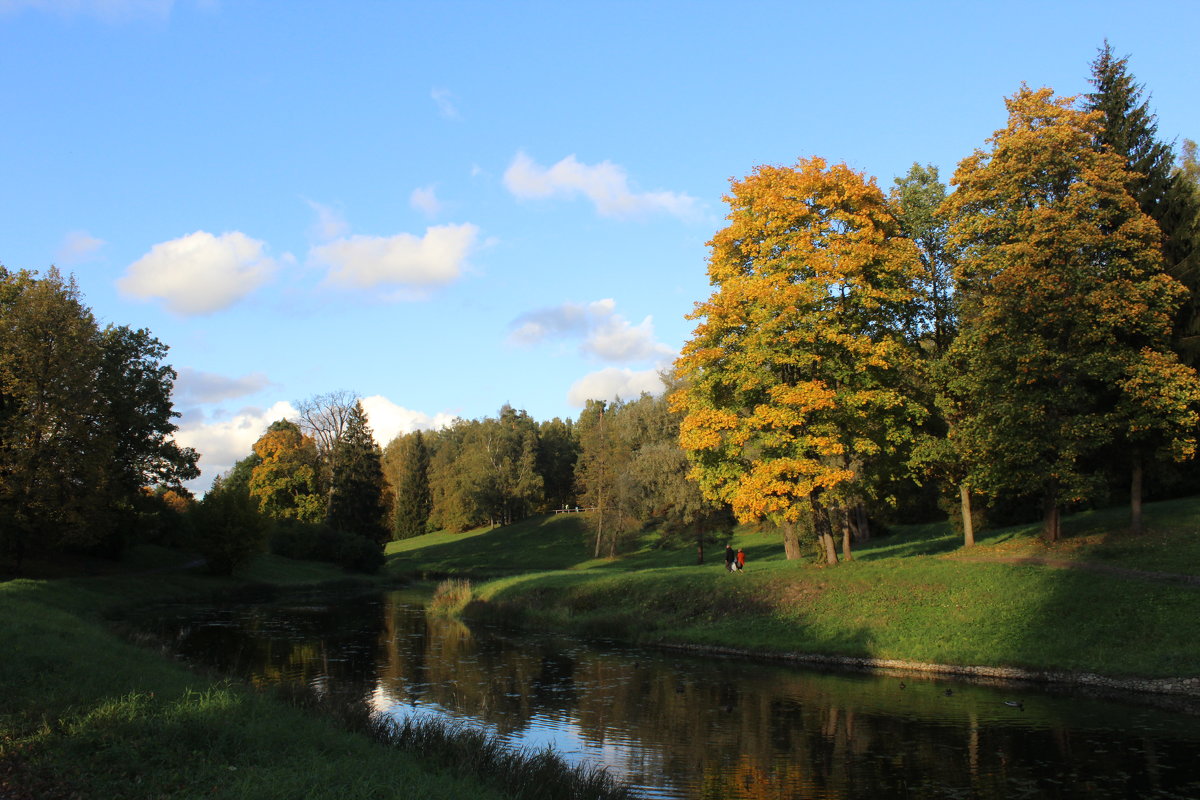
434,259
199,273
611,383
424,199
389,420
77,247
606,334
223,442
605,184
193,386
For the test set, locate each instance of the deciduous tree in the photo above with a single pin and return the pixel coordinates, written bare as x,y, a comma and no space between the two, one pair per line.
1064,307
284,482
792,376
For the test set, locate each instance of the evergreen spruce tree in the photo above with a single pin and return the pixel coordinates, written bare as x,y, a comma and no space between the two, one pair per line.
357,498
413,501
1130,129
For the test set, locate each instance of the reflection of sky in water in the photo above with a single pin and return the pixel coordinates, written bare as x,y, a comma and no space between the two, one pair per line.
626,759
683,727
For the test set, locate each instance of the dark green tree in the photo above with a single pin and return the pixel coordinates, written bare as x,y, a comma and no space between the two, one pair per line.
53,458
604,455
357,497
407,462
227,528
558,450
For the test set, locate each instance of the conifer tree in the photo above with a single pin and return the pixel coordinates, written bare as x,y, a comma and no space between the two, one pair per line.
411,482
357,496
1129,128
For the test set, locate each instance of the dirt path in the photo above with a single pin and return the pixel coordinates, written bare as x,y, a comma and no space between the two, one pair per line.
1087,566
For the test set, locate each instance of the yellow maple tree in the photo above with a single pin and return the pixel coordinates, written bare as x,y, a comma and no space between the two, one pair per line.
791,378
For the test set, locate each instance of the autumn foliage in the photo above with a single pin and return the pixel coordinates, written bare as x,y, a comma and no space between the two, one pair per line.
791,379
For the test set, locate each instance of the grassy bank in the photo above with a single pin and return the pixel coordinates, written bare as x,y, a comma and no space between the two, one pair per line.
84,713
913,595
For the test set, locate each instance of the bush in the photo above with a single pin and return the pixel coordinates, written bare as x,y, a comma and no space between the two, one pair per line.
228,529
348,550
294,539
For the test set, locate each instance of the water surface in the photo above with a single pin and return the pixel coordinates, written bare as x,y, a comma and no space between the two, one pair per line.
677,726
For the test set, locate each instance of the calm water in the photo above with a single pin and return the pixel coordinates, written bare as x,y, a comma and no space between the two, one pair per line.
687,727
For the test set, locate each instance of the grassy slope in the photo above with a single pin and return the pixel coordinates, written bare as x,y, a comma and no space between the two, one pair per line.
914,595
85,713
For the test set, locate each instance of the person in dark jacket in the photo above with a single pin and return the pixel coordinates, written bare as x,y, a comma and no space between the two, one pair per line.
730,558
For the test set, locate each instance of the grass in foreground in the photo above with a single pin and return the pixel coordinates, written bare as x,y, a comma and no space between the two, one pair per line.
84,713
914,595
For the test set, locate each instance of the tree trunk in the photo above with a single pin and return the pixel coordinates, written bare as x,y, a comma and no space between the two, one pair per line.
844,516
599,530
1051,518
791,541
968,518
864,524
821,524
1135,494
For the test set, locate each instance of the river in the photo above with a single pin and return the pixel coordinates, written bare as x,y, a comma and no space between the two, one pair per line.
682,726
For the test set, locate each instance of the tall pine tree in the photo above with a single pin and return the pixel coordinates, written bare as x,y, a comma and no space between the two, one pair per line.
1129,128
411,481
357,497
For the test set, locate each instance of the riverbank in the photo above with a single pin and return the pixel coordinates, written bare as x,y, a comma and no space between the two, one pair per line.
85,713
1102,607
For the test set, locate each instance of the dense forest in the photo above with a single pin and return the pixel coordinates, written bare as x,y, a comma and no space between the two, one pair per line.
1020,345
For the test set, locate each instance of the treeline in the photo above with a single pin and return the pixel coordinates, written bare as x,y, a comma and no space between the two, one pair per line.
1024,339
620,461
318,486
87,462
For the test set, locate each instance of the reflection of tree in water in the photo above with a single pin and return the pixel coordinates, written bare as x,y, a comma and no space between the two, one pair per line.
724,729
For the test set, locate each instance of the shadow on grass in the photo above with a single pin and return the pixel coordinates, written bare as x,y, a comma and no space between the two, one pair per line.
539,543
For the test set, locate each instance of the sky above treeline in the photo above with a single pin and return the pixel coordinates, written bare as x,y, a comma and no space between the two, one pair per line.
446,207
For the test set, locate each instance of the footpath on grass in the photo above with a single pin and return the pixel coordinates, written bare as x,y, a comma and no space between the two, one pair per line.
1097,610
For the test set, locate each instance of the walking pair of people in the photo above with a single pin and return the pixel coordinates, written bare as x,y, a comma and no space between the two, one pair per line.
734,562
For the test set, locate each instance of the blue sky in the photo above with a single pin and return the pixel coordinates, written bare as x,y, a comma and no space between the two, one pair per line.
446,207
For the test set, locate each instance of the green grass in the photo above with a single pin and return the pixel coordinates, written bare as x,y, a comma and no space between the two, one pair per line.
914,595
540,543
84,713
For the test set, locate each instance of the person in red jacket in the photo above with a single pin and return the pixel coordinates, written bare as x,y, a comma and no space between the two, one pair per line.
741,559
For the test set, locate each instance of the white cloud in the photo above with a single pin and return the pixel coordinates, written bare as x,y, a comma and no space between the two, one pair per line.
193,386
436,258
389,420
222,443
424,199
569,319
445,102
329,225
199,273
611,383
606,334
605,184
78,247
